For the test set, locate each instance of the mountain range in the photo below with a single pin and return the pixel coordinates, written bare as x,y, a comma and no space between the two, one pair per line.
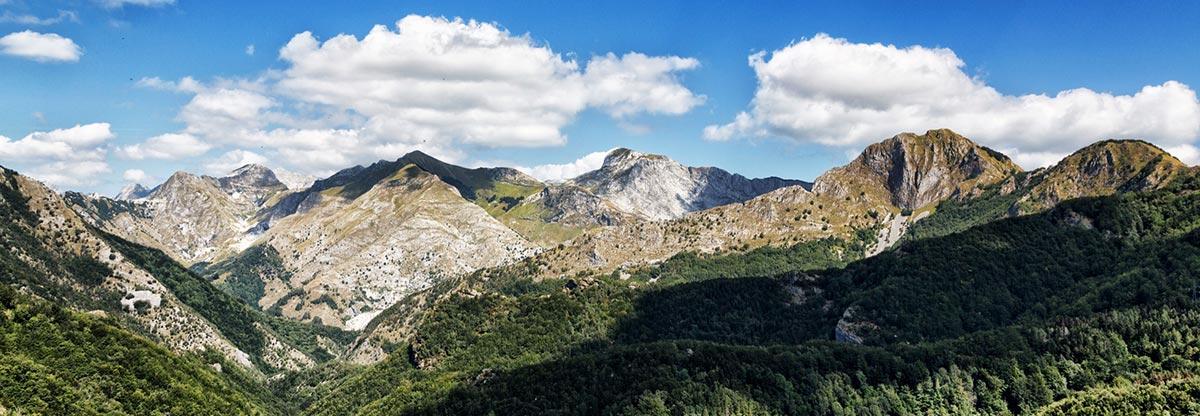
353,244
414,281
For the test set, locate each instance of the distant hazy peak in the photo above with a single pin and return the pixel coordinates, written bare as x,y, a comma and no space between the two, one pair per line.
250,169
659,188
132,191
252,176
294,180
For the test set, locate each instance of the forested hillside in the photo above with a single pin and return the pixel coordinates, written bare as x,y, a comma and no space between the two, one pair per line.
1084,307
54,361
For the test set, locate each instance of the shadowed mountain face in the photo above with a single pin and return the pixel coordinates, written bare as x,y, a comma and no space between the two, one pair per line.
658,188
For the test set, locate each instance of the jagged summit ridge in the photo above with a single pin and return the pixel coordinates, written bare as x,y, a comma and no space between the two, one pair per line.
658,188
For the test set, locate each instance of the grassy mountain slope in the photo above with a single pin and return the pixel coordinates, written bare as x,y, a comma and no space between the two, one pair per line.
52,253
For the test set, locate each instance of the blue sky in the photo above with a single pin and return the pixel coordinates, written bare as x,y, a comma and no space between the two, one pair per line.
1034,79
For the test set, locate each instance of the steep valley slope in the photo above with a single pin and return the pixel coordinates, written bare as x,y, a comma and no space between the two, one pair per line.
52,253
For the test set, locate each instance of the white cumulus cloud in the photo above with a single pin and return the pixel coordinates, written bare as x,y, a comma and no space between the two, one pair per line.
79,142
61,157
40,47
26,19
1186,153
563,171
636,83
72,173
432,84
135,175
439,79
834,92
165,146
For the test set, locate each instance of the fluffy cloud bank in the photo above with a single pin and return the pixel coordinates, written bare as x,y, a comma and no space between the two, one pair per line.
166,146
558,172
435,84
62,157
440,79
40,47
830,91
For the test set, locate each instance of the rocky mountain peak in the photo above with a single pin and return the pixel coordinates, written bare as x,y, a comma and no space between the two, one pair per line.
252,169
466,179
293,180
251,184
179,180
252,175
911,170
622,158
1113,156
658,188
1104,168
133,191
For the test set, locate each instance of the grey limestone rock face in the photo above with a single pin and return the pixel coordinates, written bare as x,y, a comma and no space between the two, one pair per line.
574,206
658,188
132,191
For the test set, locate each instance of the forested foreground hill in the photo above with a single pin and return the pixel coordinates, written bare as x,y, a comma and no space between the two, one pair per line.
1083,309
54,361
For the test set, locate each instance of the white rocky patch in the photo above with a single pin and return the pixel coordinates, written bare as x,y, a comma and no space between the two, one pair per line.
359,322
132,298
